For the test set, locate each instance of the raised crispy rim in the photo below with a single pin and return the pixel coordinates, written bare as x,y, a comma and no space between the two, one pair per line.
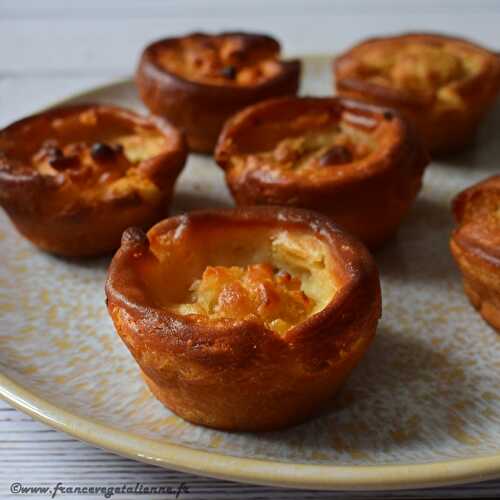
403,145
148,68
27,183
468,236
125,289
393,96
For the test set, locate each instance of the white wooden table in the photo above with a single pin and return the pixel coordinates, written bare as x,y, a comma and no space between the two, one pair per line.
53,48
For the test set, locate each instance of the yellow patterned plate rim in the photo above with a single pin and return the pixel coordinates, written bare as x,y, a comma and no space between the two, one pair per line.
183,458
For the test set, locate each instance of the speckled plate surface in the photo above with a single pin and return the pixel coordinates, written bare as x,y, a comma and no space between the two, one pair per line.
423,407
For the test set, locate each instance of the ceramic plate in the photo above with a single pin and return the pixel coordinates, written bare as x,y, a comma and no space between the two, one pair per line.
422,409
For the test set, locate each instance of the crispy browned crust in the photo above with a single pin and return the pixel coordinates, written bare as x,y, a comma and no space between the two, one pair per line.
200,109
444,130
241,375
475,245
76,228
372,195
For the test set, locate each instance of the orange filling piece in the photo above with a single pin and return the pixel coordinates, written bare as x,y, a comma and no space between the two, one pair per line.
255,292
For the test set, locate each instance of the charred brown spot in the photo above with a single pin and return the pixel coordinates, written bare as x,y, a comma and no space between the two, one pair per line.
59,161
336,155
136,237
102,152
388,115
228,72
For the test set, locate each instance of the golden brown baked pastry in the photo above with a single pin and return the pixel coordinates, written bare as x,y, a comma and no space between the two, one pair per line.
72,179
244,319
475,245
358,163
445,84
198,81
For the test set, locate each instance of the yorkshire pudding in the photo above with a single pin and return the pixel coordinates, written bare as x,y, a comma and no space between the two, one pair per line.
72,179
198,81
475,245
444,84
244,319
360,164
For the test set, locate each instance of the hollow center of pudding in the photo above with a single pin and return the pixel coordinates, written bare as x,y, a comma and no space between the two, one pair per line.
336,145
276,278
305,149
423,69
93,155
221,60
483,208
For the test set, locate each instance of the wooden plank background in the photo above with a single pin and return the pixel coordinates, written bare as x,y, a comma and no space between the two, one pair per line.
53,48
